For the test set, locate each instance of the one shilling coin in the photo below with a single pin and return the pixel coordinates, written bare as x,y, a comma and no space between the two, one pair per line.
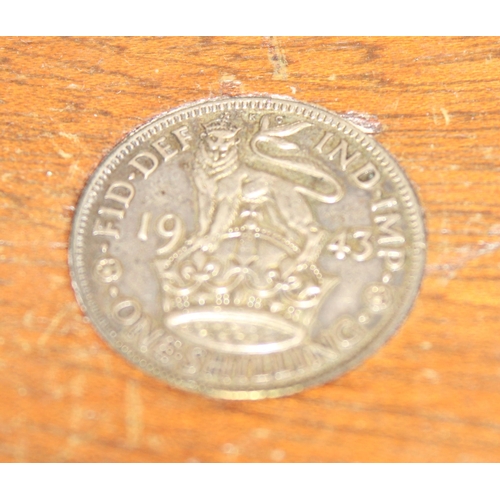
247,247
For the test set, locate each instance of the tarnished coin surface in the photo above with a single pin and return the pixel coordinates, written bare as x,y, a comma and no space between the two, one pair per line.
247,247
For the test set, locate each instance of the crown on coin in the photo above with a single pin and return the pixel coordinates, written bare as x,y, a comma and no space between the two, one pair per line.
239,299
221,123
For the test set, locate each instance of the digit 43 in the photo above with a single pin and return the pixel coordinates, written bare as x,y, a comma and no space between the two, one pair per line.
355,242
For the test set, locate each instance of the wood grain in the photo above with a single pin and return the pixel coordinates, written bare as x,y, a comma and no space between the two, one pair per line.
431,394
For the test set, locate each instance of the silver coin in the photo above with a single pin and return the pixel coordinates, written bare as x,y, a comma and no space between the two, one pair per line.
247,247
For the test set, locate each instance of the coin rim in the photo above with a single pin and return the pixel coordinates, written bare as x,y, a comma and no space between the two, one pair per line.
415,220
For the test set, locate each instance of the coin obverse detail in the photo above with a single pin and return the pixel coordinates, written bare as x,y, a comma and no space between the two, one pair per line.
247,247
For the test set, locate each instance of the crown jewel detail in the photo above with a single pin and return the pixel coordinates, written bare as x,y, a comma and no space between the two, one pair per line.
223,122
237,300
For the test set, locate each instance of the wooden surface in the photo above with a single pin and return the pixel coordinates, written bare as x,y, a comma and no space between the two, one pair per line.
431,394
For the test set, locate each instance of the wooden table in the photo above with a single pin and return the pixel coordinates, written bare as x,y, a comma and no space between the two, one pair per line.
431,394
